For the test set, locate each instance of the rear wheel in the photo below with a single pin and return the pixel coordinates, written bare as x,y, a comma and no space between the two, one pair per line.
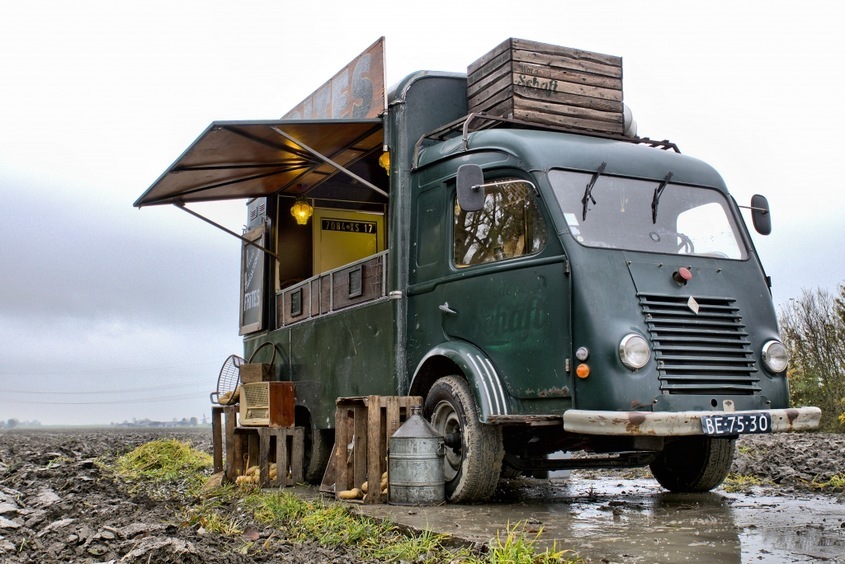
693,464
474,451
318,447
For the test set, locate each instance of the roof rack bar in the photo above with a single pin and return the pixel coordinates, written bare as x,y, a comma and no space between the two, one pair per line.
462,125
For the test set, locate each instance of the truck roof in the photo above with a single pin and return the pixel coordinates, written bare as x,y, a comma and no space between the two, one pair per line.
543,150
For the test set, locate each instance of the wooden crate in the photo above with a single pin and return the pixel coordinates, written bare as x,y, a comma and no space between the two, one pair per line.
548,84
363,427
255,372
258,446
267,404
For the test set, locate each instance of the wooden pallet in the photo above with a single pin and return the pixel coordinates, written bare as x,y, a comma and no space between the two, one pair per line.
363,427
256,446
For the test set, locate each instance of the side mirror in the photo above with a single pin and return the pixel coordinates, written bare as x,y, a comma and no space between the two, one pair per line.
470,187
760,214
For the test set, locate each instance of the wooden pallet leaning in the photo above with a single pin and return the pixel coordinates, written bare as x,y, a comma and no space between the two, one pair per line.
363,427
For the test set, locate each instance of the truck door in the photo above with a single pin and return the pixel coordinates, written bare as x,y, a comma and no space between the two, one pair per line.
508,292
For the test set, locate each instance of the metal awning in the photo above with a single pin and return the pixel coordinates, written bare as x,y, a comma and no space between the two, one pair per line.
248,159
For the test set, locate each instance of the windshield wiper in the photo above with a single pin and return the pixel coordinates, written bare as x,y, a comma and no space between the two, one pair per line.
655,200
588,193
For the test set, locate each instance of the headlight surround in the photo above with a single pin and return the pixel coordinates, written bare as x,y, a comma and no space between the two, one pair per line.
775,356
634,351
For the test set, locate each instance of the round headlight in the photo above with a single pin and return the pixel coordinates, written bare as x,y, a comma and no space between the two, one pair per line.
633,351
775,356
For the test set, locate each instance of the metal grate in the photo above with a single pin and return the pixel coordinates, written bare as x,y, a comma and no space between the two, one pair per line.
255,404
707,352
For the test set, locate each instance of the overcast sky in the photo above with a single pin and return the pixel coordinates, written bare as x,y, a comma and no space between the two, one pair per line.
109,313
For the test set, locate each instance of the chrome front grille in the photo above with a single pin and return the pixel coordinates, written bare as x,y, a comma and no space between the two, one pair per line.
707,352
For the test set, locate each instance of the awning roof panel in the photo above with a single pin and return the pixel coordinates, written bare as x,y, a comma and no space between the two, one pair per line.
248,159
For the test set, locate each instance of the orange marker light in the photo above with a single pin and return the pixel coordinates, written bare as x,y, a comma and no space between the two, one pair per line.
583,370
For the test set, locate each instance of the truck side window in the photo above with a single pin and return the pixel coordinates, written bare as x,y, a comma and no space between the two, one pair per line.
508,226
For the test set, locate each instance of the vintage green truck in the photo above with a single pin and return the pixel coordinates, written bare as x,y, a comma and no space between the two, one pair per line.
546,283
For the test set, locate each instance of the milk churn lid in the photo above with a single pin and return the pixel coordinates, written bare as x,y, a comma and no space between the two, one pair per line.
417,427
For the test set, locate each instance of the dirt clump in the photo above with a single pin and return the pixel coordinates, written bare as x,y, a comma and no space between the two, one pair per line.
795,461
58,505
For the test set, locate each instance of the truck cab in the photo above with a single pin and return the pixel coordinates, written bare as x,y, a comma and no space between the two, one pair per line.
545,288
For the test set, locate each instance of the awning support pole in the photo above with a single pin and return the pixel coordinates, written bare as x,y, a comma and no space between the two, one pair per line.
327,160
181,206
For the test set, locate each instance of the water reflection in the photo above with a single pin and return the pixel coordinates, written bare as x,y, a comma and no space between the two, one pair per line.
611,519
631,522
635,520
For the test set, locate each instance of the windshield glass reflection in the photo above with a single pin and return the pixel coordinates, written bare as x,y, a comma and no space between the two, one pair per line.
647,215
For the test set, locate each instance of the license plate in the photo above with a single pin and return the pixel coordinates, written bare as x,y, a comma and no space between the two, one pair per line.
736,423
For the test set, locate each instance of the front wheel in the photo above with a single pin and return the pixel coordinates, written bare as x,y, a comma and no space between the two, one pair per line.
693,464
474,451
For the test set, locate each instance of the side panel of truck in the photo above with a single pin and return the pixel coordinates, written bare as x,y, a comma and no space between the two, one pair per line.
341,354
510,306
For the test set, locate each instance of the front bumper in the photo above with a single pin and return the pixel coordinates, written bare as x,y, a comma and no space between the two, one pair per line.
675,423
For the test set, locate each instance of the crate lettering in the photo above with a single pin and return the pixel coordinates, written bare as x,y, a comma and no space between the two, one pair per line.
534,82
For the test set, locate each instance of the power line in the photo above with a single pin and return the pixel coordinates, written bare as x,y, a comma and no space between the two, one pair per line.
112,370
117,402
195,384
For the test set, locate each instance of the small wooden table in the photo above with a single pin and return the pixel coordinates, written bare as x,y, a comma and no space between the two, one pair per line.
254,446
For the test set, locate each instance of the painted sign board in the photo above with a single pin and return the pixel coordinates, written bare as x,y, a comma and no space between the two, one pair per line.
252,282
357,91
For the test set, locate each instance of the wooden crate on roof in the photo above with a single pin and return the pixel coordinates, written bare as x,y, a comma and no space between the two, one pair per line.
547,84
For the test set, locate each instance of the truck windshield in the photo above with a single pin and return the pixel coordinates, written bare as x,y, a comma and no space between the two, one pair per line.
647,215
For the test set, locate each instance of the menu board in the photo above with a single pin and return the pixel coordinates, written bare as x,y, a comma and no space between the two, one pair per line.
252,282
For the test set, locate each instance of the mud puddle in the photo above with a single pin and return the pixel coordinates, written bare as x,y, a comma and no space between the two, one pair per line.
634,520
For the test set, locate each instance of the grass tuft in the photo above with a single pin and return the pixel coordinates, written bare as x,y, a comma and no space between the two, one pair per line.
165,462
226,511
735,483
835,483
517,548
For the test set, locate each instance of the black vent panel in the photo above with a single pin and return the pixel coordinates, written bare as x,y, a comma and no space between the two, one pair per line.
700,352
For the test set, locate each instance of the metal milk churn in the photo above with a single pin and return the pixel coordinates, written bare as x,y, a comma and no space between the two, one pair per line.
415,463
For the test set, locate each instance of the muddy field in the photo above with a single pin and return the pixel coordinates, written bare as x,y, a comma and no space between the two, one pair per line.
56,505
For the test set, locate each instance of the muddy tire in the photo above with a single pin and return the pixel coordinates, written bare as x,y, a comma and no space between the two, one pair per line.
318,447
693,464
319,451
472,468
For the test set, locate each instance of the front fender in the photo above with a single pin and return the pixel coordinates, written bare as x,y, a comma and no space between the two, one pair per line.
490,396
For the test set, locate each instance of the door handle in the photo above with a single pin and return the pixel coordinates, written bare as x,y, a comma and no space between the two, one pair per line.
444,307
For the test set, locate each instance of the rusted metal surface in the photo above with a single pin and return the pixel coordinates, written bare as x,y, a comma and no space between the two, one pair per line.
666,424
530,420
250,159
356,91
